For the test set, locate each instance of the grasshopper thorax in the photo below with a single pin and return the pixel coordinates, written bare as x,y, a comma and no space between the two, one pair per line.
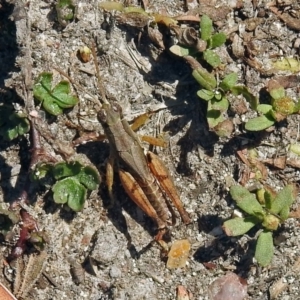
110,114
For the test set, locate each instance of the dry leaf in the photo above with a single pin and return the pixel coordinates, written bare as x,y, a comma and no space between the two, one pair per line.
278,162
182,293
178,254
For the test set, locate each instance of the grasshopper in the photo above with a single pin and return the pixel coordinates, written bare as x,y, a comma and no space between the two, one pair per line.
143,176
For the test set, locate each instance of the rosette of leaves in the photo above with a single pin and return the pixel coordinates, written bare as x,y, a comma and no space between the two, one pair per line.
54,100
280,107
267,210
215,95
73,180
206,35
12,123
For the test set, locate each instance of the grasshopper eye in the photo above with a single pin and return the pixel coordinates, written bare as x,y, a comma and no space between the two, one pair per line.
117,108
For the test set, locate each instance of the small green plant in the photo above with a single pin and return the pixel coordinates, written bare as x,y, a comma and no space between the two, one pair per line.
266,209
73,180
8,219
12,123
281,106
213,41
205,35
214,94
65,11
54,100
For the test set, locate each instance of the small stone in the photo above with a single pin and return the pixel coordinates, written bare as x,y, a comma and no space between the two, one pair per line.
228,287
115,272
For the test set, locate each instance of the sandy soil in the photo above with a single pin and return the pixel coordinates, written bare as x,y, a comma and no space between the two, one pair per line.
107,248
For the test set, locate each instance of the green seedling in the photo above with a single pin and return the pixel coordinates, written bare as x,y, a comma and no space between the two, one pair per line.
266,210
212,41
73,180
12,123
8,219
214,94
65,11
280,107
54,100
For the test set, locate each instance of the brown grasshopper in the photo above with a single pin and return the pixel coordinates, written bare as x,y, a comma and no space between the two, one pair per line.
143,176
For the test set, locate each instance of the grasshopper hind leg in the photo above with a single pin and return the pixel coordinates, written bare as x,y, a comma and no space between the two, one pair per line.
110,180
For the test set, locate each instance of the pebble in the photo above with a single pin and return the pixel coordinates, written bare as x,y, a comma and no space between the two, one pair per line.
115,272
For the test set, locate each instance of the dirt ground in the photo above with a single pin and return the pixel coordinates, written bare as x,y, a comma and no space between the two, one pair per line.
108,248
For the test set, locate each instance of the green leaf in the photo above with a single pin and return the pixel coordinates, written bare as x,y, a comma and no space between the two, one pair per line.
285,212
297,106
218,95
206,27
205,94
65,10
61,93
277,93
246,201
239,226
110,5
214,117
41,171
180,51
214,111
259,123
221,105
264,108
89,177
242,90
217,40
295,148
8,219
283,199
287,64
135,9
268,199
54,101
65,169
264,248
206,79
212,58
12,124
69,190
228,82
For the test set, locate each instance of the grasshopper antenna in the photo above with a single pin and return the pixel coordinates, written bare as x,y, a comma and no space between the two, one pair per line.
100,83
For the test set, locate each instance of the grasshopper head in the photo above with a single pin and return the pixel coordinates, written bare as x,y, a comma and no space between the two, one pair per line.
110,114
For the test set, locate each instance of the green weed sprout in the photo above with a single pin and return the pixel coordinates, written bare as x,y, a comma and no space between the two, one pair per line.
54,100
280,107
65,11
73,180
211,40
215,95
266,209
12,123
8,219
